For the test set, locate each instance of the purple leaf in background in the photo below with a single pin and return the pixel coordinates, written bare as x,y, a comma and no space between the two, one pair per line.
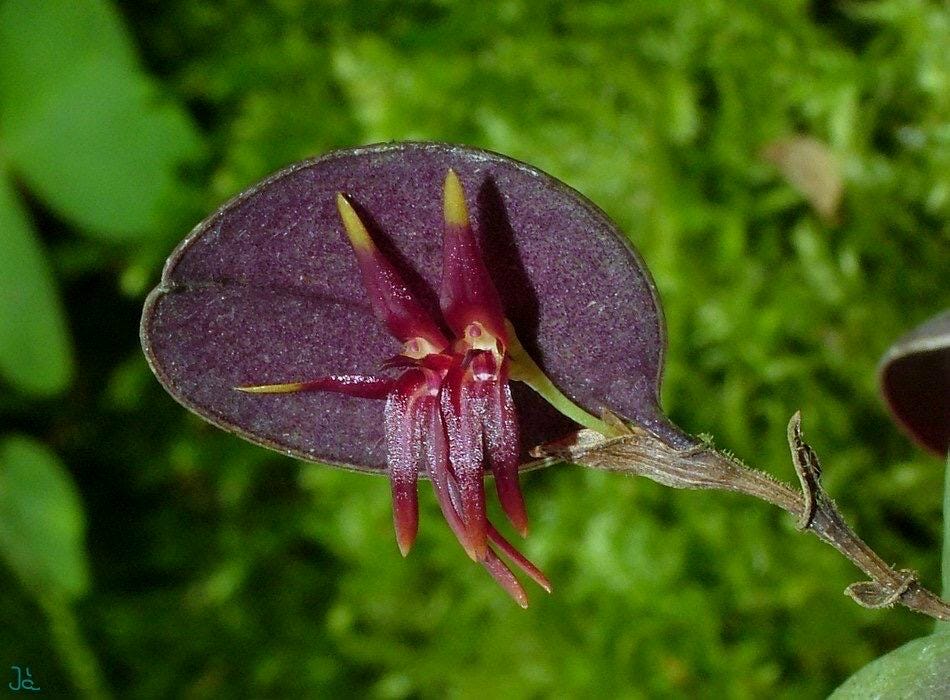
267,294
915,381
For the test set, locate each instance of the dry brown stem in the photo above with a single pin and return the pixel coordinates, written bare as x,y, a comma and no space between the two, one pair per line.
639,452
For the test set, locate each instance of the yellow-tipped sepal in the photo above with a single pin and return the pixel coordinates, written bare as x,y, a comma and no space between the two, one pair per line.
392,301
456,211
349,384
289,388
355,230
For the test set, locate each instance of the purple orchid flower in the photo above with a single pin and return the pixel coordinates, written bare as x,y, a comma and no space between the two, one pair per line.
264,297
450,408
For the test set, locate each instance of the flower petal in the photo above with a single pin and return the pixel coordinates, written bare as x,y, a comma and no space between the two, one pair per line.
491,402
437,468
468,294
404,424
466,455
502,574
393,302
518,558
500,429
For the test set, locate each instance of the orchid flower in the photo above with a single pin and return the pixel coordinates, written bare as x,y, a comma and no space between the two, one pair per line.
450,410
262,298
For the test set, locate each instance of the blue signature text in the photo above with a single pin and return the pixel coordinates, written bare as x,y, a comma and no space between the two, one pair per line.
24,680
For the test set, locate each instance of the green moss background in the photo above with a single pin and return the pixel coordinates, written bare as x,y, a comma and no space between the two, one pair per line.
216,569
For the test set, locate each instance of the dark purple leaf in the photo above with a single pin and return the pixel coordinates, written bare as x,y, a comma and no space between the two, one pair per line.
915,381
267,290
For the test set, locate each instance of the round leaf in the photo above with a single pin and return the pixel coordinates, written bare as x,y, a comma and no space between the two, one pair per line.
267,290
915,381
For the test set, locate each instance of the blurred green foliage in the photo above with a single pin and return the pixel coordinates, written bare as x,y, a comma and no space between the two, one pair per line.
36,354
916,670
221,570
42,525
81,128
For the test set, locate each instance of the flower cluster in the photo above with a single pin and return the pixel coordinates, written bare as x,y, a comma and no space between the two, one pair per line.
449,409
